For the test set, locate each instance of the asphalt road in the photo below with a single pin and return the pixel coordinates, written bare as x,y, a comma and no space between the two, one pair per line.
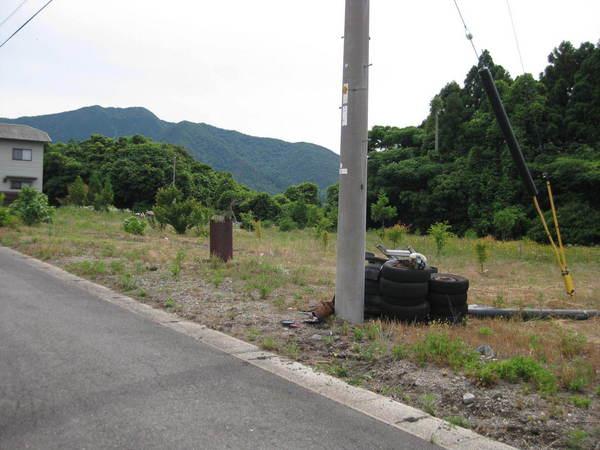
79,372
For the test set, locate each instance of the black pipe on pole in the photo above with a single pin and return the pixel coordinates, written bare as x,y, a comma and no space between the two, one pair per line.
509,135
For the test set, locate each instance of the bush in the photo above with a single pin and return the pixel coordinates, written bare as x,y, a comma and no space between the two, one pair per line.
4,212
287,224
104,199
32,207
519,368
481,250
247,221
134,225
172,210
396,233
441,234
78,192
509,222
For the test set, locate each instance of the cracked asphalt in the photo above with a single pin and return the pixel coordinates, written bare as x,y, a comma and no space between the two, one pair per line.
77,372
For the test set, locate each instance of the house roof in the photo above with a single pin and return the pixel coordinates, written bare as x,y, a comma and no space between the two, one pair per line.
22,133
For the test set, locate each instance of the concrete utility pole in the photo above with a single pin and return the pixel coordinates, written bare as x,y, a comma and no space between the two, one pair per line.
352,216
437,131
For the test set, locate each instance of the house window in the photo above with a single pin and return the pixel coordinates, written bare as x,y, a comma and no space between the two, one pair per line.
21,154
19,184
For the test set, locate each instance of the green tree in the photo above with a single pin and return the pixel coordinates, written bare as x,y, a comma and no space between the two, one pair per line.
172,209
78,191
441,234
307,193
32,207
105,198
382,211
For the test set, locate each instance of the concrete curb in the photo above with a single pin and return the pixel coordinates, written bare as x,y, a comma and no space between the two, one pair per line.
393,413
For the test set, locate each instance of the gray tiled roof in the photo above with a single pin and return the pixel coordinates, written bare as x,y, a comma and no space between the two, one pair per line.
23,133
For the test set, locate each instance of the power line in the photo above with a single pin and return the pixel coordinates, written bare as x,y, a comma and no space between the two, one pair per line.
25,24
13,13
468,34
514,29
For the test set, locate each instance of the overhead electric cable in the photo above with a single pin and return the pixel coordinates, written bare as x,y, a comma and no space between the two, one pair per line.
514,28
7,18
25,24
468,34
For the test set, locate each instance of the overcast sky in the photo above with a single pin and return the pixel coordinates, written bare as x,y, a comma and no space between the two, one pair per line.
264,67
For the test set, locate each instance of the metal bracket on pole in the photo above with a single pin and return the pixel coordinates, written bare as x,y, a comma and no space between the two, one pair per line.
352,216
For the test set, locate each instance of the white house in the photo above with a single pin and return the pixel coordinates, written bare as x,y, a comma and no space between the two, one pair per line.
21,158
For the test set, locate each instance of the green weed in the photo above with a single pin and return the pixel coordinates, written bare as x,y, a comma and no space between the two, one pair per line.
428,403
458,421
581,402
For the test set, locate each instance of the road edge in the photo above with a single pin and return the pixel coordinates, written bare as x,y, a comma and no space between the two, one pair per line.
398,415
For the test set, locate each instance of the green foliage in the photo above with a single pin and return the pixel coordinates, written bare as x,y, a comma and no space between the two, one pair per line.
382,211
577,439
472,182
134,225
306,193
247,221
441,234
396,233
32,207
177,265
481,251
581,402
507,222
78,191
172,209
5,216
440,348
105,198
458,421
287,224
519,368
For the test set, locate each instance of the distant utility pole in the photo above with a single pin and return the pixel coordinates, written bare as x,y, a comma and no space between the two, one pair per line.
437,131
352,216
174,168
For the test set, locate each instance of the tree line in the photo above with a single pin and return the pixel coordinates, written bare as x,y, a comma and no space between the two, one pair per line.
470,181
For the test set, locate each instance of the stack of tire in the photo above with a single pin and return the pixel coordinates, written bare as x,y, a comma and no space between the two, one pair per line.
448,297
396,291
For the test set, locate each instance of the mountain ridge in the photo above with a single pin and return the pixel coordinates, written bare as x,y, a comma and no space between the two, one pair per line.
262,163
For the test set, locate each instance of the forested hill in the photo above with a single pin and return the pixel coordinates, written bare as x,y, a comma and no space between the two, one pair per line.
471,182
263,164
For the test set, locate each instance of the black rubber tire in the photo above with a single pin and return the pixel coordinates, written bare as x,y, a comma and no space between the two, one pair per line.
376,306
444,315
393,289
401,274
441,301
372,272
371,287
394,301
447,283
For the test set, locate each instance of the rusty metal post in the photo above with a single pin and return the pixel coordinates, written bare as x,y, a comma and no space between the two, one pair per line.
221,239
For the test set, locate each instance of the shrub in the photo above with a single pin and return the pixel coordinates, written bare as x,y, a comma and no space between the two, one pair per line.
509,222
481,250
287,224
519,368
382,210
247,221
78,191
396,233
134,225
32,207
441,234
172,210
104,199
440,348
5,217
